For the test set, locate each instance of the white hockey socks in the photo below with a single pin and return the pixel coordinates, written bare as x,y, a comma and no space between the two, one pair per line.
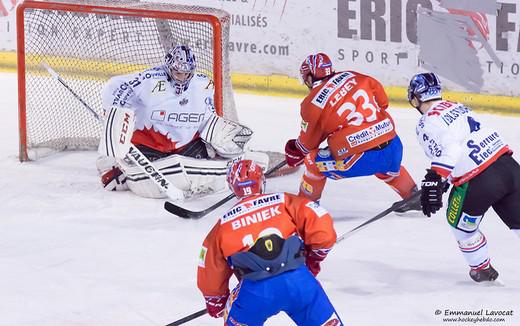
474,248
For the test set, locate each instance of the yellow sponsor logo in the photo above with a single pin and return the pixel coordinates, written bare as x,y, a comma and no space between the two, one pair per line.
269,245
333,166
307,187
454,209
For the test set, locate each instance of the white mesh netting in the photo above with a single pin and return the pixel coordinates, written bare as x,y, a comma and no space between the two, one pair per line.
90,41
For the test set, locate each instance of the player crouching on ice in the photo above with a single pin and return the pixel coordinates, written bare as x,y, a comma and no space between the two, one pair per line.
476,160
274,244
348,110
175,127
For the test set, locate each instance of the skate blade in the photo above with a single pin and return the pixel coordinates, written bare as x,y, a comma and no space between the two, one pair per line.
495,283
471,283
411,213
498,282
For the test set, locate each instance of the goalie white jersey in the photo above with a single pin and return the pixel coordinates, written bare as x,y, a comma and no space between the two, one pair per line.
459,146
164,120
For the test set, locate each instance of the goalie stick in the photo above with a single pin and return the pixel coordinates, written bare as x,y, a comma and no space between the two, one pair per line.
186,213
134,154
55,75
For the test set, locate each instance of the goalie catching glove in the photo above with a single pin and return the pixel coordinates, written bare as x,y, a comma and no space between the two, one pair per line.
228,138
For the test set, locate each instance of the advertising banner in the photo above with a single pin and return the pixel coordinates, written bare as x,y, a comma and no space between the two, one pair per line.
473,45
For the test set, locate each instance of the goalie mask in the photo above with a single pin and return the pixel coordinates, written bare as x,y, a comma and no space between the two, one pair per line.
423,88
317,66
180,65
245,178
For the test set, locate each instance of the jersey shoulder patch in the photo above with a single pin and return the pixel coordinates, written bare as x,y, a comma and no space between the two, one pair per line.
321,98
154,73
317,209
202,257
202,81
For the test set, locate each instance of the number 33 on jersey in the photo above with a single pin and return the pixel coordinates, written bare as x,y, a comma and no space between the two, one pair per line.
349,110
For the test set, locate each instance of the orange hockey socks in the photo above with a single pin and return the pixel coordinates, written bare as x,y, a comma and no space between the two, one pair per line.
311,186
402,183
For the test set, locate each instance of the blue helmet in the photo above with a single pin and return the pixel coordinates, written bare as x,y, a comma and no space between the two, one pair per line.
424,87
180,65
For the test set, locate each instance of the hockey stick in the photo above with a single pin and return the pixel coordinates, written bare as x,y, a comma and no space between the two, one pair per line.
384,213
55,75
188,318
186,213
134,154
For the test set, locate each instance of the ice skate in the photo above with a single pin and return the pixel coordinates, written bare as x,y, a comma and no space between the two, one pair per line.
483,275
411,207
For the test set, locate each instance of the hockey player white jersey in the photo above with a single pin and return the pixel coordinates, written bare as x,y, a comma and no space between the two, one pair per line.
455,141
164,120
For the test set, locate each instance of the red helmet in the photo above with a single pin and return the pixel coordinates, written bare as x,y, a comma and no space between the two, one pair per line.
245,178
318,66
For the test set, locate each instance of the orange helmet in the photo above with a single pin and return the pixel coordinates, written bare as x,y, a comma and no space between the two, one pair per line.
245,178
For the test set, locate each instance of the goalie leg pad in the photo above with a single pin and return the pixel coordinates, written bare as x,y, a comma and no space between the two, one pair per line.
118,128
205,176
193,176
140,184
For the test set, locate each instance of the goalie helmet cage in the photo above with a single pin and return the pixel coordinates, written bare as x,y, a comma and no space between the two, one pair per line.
88,41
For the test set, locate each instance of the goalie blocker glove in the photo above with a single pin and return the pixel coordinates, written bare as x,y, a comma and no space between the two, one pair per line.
112,178
432,189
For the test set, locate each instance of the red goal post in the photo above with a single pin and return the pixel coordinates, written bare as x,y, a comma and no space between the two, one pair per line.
88,41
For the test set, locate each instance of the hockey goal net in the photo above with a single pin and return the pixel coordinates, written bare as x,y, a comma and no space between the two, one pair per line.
88,41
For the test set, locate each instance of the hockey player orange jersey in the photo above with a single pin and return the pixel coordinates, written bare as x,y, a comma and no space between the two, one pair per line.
349,110
253,217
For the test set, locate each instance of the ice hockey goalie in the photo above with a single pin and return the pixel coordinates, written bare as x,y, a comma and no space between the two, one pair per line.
167,113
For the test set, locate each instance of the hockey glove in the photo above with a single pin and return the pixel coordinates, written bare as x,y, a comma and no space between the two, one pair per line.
313,258
432,189
216,305
293,155
114,180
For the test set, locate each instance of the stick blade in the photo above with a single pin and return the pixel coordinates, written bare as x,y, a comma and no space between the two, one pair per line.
183,212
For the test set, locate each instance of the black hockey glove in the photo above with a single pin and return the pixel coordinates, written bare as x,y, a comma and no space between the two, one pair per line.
432,189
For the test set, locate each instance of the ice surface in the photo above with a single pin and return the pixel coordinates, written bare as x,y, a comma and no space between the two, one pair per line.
74,254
